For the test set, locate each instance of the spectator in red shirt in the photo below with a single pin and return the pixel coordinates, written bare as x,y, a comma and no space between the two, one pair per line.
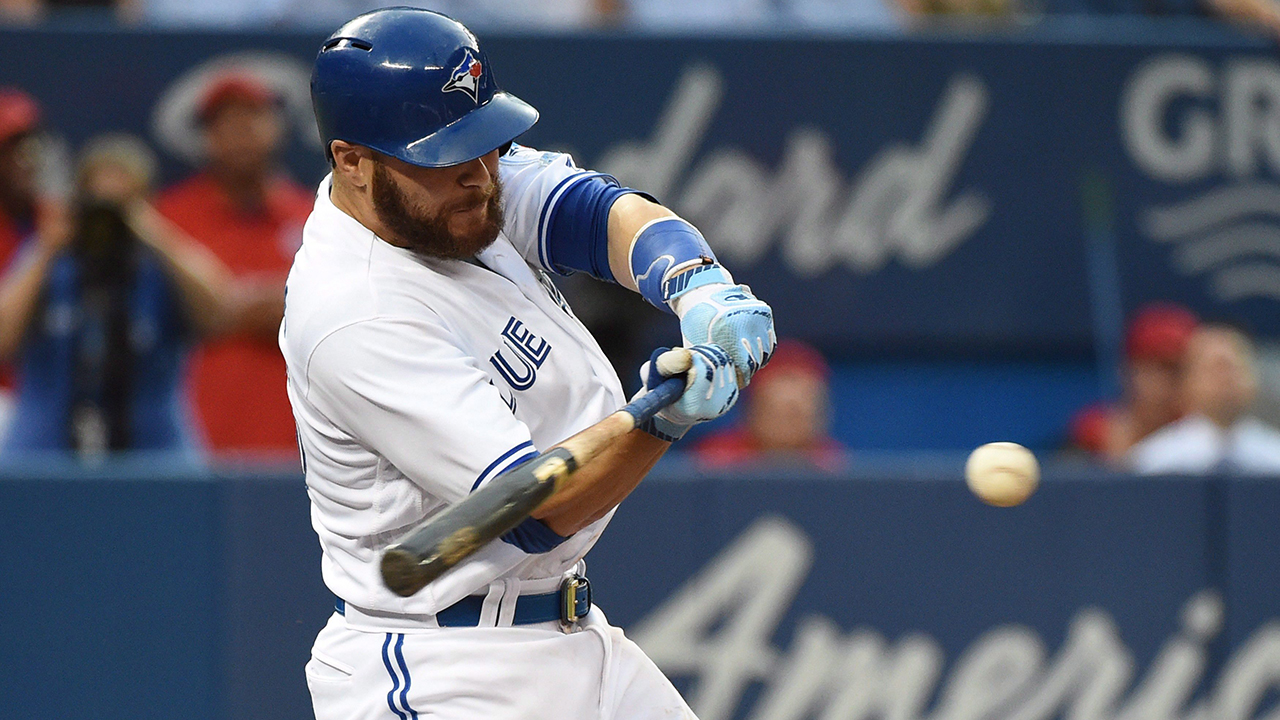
250,215
785,417
1155,349
19,120
19,123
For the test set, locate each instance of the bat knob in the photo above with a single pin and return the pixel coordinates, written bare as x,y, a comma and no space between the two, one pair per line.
402,572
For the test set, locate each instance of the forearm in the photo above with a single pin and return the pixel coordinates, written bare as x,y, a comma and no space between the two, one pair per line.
598,488
670,264
628,215
20,296
205,285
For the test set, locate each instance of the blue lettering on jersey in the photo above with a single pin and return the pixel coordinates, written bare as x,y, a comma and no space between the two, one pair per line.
510,401
527,350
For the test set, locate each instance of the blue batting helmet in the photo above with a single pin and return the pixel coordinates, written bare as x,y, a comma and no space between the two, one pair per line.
415,85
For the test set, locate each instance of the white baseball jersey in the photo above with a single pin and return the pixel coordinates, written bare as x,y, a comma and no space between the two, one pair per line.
415,381
1196,445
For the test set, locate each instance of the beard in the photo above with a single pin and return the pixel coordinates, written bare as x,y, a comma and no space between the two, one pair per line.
428,234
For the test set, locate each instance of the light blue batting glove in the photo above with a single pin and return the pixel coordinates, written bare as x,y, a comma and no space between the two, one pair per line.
731,317
711,388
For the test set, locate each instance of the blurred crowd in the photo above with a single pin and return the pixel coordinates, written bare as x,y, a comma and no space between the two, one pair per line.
133,318
137,318
1190,391
661,14
141,320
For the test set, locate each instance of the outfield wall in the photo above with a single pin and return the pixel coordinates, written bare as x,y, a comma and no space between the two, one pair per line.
133,594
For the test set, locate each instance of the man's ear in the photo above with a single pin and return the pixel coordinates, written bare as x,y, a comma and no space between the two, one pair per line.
352,162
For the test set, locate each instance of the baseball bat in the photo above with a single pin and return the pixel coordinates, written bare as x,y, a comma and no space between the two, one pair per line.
446,539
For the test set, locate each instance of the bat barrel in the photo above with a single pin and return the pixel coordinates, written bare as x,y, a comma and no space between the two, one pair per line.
444,540
403,572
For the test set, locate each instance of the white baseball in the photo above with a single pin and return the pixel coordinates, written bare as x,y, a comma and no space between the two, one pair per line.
1003,474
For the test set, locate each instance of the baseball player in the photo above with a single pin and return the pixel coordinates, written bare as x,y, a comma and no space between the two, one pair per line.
428,352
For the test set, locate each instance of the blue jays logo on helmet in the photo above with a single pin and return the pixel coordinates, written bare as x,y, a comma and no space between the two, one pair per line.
466,76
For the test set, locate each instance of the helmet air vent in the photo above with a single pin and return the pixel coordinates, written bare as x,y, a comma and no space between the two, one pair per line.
347,42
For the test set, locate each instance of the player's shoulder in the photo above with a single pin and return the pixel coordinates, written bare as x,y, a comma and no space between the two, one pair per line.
358,310
339,281
319,297
522,157
329,285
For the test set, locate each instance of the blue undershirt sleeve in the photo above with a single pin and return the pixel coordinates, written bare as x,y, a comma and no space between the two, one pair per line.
578,231
533,536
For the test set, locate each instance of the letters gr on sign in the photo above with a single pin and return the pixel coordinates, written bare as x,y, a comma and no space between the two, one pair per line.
897,206
1231,232
717,627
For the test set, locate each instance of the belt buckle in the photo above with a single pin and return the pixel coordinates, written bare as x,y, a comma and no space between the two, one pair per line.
574,589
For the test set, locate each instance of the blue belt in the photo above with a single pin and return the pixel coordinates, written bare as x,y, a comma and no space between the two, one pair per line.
568,604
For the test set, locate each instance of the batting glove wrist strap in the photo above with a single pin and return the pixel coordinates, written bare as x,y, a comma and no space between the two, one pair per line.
664,430
669,257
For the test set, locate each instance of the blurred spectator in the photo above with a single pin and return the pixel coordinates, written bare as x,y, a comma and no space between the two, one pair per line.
785,415
553,14
847,13
539,14
1218,434
676,14
827,14
1262,14
25,12
20,12
19,121
19,143
329,14
98,306
1121,7
1155,347
963,8
243,209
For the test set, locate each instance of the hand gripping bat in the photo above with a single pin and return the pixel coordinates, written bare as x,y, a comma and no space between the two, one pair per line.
446,539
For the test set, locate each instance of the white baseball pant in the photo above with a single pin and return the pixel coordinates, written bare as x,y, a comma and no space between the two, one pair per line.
528,672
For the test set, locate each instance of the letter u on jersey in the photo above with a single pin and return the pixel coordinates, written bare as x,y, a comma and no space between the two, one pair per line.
527,350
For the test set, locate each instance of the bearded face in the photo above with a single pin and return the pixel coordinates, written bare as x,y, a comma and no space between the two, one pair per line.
454,231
